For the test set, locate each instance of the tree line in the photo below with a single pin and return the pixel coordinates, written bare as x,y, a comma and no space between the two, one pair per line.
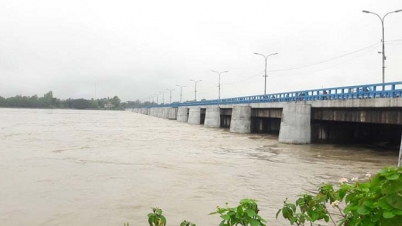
48,101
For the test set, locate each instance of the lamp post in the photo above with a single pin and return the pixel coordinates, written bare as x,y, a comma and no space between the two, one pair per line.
383,45
266,57
219,84
170,90
181,91
163,97
157,99
195,88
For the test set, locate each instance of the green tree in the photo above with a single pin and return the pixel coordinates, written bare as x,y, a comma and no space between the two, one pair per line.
116,101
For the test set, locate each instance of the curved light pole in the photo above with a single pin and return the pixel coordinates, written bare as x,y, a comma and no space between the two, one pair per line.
195,88
266,58
383,46
170,90
219,84
181,91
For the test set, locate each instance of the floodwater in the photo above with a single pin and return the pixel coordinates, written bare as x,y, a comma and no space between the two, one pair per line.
70,167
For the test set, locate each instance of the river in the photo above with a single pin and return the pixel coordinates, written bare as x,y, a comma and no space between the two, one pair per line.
71,167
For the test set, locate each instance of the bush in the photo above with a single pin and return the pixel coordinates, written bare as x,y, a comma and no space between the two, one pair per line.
375,201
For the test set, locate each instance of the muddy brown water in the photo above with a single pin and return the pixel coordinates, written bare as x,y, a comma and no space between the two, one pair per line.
70,167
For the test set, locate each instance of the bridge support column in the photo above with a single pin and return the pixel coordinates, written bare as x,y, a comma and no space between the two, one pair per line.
160,112
165,113
213,117
172,114
182,114
295,124
194,116
241,119
155,112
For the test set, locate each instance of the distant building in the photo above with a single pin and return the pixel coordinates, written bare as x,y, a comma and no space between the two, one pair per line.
108,105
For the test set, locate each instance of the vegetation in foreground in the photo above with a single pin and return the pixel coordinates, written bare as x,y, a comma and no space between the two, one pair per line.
371,201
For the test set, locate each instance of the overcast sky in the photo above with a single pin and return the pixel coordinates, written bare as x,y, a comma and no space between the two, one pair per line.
135,49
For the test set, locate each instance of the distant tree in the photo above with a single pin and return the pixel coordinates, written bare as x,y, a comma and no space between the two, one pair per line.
93,104
48,101
2,101
80,104
116,102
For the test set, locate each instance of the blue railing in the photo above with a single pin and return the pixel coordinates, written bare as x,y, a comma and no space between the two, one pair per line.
381,90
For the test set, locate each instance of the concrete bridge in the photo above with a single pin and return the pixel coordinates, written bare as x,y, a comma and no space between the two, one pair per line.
353,114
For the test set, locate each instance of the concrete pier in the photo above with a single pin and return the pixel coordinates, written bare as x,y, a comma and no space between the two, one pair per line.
160,112
212,117
241,119
172,115
194,116
182,114
165,113
296,125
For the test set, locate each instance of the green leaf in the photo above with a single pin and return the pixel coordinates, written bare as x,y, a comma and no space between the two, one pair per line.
397,212
159,211
342,193
314,216
277,213
392,187
286,213
151,220
250,212
369,203
388,214
292,206
363,210
383,203
392,177
350,197
226,217
395,201
254,222
163,219
239,211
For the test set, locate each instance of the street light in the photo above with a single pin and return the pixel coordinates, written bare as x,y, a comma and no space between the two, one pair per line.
170,90
157,99
266,57
383,45
181,91
219,84
195,88
163,97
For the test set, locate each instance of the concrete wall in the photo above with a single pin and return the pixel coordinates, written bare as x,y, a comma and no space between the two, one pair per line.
296,125
182,114
363,115
172,114
143,111
212,117
165,113
194,116
241,119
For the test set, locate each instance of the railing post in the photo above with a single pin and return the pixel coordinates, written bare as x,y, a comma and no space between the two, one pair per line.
393,90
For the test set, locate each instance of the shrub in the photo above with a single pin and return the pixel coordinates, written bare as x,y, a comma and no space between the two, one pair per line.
244,214
375,201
